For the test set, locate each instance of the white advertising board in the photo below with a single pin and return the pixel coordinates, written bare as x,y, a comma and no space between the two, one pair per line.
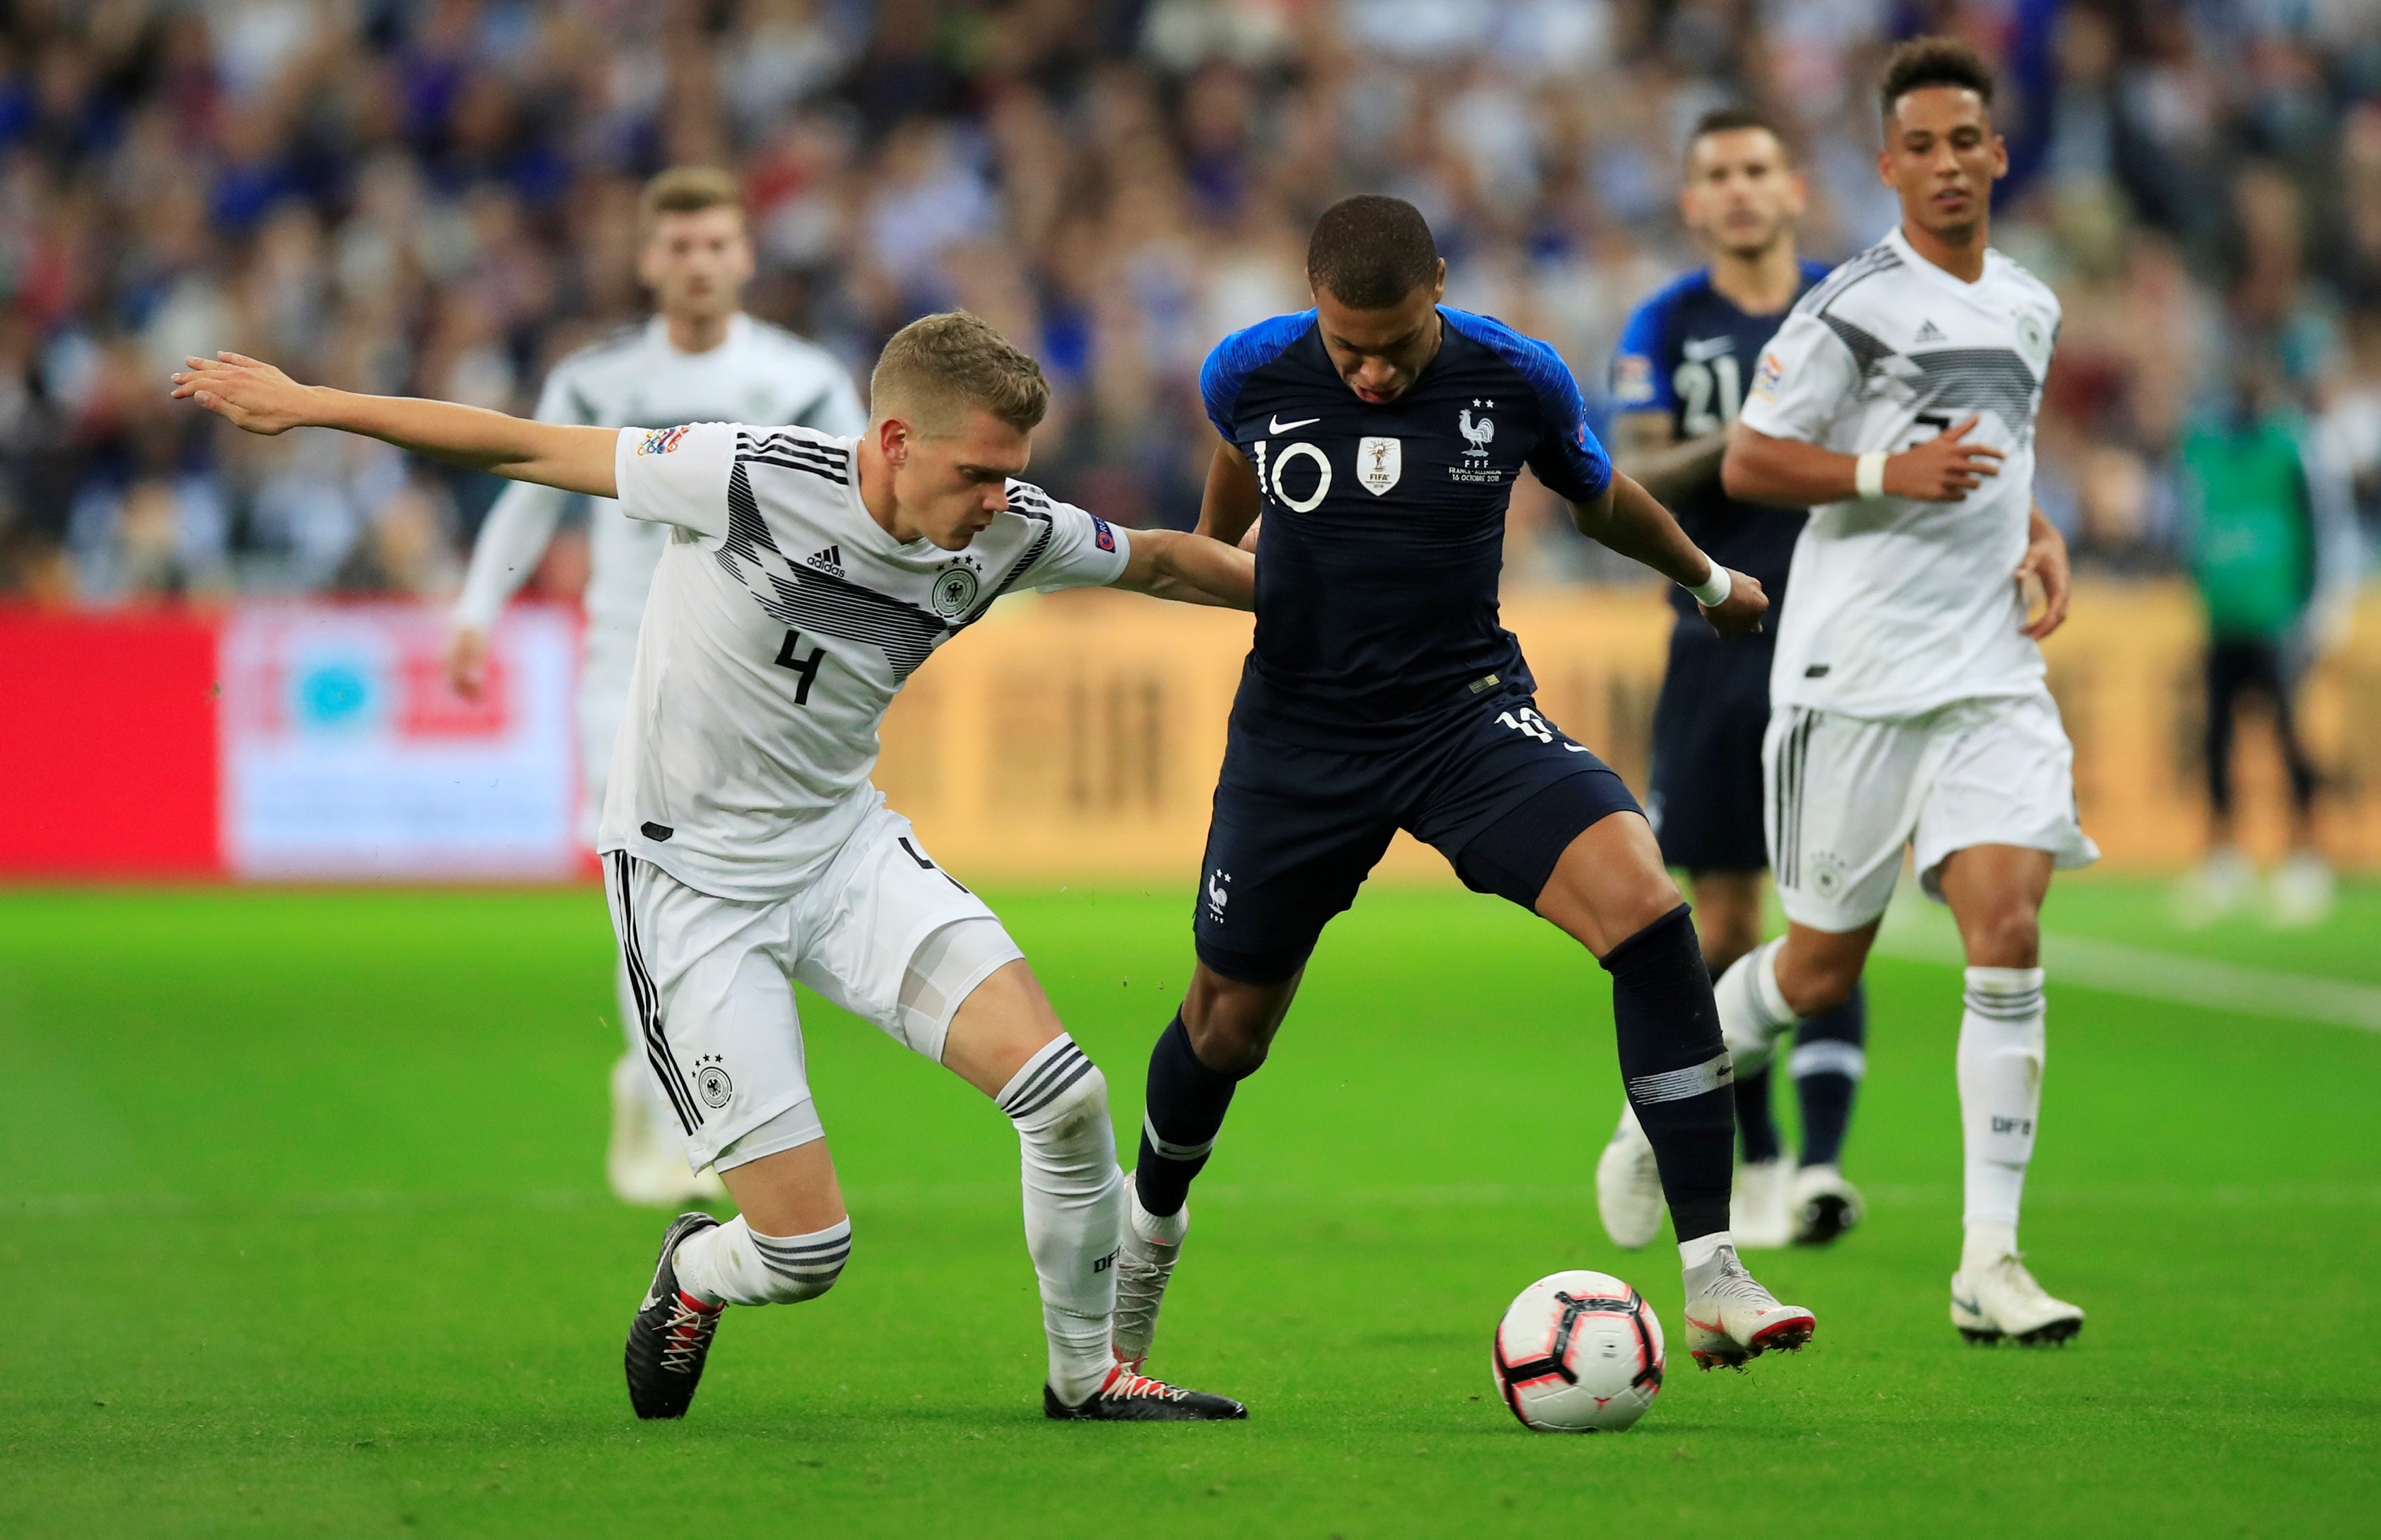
345,754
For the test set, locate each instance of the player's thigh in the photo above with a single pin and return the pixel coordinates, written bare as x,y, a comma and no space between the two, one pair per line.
1608,884
889,935
1842,797
1294,834
2006,777
1996,893
716,1021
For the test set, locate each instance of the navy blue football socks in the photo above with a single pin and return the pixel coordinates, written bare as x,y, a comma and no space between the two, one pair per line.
1676,1067
1186,1106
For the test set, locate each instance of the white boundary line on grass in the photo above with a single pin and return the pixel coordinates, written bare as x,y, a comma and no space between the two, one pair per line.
1921,933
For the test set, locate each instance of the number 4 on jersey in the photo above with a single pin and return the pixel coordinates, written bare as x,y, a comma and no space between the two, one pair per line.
807,667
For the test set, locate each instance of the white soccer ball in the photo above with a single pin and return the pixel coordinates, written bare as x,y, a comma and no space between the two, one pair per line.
1579,1352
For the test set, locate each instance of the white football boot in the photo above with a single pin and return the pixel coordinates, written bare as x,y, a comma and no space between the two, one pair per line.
2301,892
1629,1186
1821,1205
1999,1299
1757,1218
1730,1318
1144,1263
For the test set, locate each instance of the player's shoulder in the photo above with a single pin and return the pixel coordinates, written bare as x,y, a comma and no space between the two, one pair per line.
822,457
1855,284
2011,275
1535,359
1651,317
1242,353
783,343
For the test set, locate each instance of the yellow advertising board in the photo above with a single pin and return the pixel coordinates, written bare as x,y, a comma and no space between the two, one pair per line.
1079,735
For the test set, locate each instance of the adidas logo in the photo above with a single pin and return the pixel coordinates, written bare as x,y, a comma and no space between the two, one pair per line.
829,561
1929,332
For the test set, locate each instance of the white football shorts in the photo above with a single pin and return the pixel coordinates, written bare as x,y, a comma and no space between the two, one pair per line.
1845,794
884,933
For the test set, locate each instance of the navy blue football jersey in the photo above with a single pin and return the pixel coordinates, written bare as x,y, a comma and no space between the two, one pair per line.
1689,351
1384,530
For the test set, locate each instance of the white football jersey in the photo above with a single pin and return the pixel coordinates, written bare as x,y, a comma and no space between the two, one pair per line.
783,620
1901,607
634,377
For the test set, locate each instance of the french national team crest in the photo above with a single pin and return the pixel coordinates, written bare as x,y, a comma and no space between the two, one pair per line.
1378,463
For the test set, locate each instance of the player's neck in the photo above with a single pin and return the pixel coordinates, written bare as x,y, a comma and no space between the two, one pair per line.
698,334
876,490
1959,251
1762,284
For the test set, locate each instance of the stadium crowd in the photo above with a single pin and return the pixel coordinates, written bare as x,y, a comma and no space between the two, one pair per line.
437,196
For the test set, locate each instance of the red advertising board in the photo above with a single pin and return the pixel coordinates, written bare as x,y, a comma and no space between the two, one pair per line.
109,752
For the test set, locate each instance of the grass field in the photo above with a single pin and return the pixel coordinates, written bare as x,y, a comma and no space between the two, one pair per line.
301,1196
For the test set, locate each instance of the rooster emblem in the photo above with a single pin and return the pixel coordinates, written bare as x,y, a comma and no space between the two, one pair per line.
1478,434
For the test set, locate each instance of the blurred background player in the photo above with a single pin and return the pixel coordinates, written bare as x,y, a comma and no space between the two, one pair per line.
698,358
1678,377
1898,401
2275,555
1379,435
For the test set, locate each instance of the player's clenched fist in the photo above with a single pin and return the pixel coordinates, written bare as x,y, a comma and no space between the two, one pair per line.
246,391
1742,611
1943,469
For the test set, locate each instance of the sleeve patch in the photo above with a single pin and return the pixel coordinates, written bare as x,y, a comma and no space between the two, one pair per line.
1101,535
1767,378
1632,380
661,441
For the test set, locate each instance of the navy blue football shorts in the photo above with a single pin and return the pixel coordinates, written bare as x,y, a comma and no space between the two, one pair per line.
1705,795
1499,791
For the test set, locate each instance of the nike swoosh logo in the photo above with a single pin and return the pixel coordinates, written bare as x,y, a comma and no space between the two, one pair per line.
650,1300
1278,426
1970,1306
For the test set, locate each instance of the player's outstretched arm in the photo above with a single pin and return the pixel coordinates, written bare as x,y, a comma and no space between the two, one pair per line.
1233,499
1167,564
1630,520
259,399
1786,472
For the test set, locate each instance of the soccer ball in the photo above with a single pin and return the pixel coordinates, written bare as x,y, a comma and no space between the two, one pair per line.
1579,1352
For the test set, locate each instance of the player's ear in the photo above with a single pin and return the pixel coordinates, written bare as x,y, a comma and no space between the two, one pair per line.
1438,284
893,441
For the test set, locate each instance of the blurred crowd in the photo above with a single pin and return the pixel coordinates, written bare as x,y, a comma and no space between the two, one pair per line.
437,196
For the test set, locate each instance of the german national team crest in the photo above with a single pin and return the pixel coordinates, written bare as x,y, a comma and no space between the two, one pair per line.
1378,461
712,1082
955,591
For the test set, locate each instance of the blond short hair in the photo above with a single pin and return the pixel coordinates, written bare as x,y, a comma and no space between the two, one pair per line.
687,190
937,367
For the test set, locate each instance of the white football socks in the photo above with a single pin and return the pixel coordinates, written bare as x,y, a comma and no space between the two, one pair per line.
2001,1053
1703,1248
1074,1208
1752,1010
730,1265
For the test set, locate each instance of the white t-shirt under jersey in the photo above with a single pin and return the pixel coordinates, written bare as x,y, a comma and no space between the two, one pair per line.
1901,607
758,373
783,620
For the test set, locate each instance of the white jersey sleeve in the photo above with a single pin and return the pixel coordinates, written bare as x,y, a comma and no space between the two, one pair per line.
677,475
1806,377
1085,551
514,535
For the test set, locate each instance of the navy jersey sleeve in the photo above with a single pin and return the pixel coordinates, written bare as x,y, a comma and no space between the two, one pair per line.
1640,376
1239,356
1567,458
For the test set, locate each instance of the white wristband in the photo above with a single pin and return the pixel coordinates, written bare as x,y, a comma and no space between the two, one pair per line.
1868,474
1712,592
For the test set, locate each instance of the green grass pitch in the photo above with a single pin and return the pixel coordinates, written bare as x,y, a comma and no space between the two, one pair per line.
300,1204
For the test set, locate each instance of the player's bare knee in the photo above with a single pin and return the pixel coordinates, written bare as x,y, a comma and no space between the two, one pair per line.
2010,937
1231,1023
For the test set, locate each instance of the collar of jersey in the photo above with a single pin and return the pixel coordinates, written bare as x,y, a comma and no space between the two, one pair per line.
657,333
1909,257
